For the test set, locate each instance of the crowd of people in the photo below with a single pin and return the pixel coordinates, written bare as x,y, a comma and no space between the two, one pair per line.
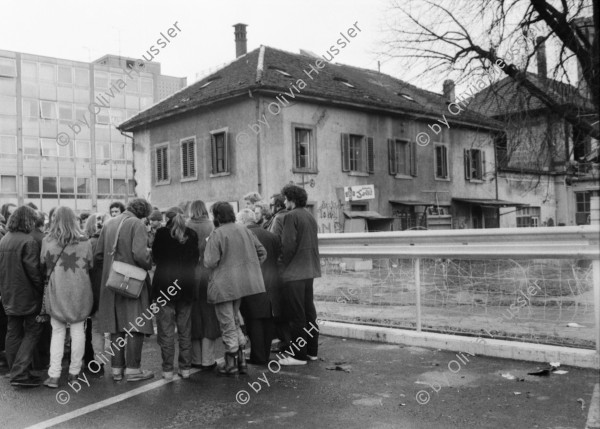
245,277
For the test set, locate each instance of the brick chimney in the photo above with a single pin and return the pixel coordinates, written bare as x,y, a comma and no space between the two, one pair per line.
541,57
240,40
448,90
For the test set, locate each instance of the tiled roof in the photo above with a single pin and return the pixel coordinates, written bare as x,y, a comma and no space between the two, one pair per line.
335,83
506,97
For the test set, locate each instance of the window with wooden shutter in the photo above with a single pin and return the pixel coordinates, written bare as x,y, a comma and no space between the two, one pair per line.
392,156
467,162
161,159
370,156
219,152
345,152
413,158
483,171
188,158
441,162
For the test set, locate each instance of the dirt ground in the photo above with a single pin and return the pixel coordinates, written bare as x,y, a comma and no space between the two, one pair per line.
534,301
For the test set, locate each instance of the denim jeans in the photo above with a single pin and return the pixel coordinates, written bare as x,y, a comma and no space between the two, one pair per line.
229,322
129,356
57,347
174,314
297,299
22,335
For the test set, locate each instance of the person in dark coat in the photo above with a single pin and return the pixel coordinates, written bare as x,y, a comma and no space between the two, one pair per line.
301,264
257,310
21,289
175,251
94,340
234,254
123,317
41,356
205,326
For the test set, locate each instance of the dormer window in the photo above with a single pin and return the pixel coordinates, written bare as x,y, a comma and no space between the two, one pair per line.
280,71
344,82
408,97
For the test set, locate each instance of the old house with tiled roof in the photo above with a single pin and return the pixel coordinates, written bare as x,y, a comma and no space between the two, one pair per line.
542,161
272,117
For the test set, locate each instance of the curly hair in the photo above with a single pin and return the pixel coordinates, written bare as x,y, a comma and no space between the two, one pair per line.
117,204
22,220
253,197
223,212
139,207
245,217
295,194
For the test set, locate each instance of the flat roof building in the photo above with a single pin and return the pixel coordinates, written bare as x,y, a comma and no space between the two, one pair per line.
59,144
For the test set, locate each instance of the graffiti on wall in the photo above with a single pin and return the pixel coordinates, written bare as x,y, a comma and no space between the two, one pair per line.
329,216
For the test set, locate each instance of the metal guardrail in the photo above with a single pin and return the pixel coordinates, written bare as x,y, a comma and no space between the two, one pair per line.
575,242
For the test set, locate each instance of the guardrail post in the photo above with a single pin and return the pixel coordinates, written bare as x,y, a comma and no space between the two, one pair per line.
595,220
417,269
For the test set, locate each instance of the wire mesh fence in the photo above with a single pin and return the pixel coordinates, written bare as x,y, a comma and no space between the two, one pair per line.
548,301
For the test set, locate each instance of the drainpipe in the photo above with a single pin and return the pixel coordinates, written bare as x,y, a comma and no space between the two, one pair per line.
258,160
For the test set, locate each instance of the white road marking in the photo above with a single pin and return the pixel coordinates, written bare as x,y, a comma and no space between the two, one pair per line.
106,402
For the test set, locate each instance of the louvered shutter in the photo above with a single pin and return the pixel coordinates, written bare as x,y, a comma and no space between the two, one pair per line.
483,170
413,158
467,157
165,162
392,156
185,160
370,156
213,153
226,163
345,152
158,161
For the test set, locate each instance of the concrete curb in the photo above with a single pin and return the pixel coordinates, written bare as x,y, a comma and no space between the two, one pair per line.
478,346
593,420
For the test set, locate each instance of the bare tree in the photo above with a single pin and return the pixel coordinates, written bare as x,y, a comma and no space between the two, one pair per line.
465,39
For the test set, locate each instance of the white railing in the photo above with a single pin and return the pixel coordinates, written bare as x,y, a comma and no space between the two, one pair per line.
579,243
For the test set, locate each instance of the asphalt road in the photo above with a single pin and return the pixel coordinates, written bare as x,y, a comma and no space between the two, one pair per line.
385,386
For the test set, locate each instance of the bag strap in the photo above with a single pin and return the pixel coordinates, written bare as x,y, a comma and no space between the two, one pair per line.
57,259
114,249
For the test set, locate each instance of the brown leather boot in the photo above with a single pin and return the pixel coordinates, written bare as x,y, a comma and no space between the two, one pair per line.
230,367
242,365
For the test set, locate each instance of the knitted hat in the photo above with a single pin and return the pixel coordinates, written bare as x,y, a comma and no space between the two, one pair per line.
156,215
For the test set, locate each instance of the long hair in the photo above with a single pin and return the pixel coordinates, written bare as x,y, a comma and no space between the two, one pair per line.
91,225
198,210
65,228
176,224
22,220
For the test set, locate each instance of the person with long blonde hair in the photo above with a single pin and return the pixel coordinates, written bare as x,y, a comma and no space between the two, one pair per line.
175,251
205,326
67,258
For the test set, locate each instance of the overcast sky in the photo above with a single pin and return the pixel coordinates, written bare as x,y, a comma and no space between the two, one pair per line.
86,30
